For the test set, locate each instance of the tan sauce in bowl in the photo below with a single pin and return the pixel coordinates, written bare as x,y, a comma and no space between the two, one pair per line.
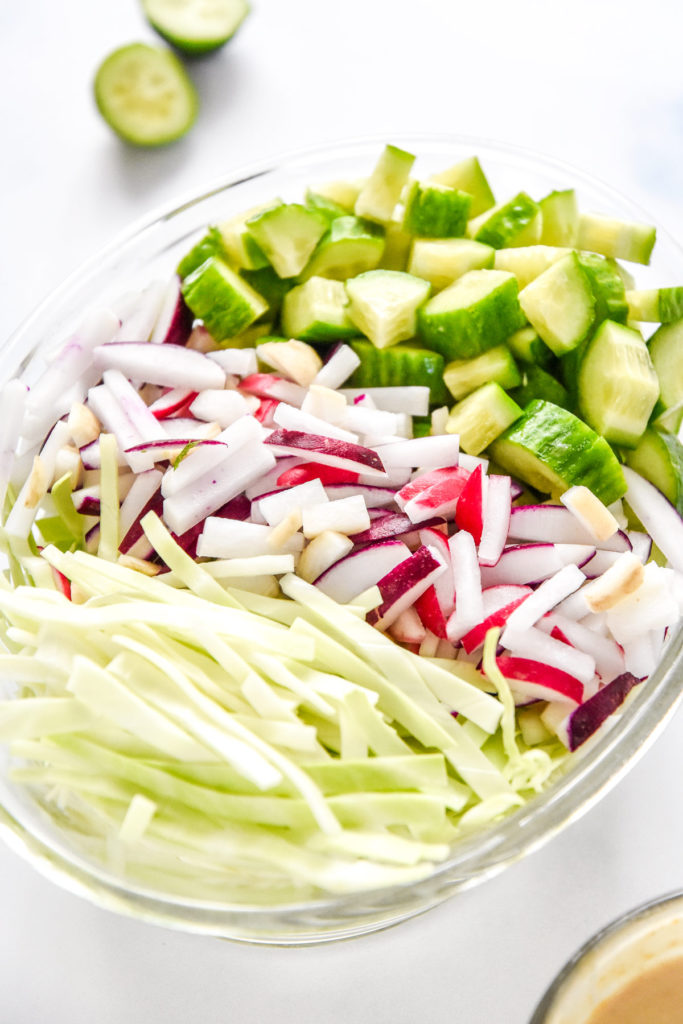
654,997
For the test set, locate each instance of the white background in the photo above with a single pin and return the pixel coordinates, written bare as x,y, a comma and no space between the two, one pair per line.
597,83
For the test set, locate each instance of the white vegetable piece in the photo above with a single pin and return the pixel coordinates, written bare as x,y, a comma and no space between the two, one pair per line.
223,406
496,518
324,403
621,579
203,458
295,359
230,538
469,606
590,512
275,507
543,599
660,519
137,322
411,399
180,367
537,645
321,552
240,361
109,412
426,452
346,515
296,419
338,368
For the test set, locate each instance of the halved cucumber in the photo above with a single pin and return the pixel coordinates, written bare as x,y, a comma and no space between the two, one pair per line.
350,246
560,214
401,366
145,95
316,311
222,299
240,245
436,211
655,305
537,383
468,176
623,240
551,450
211,244
659,458
474,314
442,260
527,347
196,26
462,376
666,353
481,417
517,222
382,190
617,384
287,234
383,304
528,261
560,304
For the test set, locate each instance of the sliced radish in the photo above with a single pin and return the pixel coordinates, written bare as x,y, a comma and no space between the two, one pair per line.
440,499
326,404
658,516
533,680
276,506
113,418
445,584
239,361
538,646
401,586
532,563
428,607
590,512
427,452
327,450
174,322
180,367
210,454
469,604
314,471
469,512
498,603
547,596
140,313
609,658
222,406
144,421
338,367
557,525
183,426
322,552
374,495
296,419
174,401
345,515
497,509
395,524
232,538
590,715
410,399
360,569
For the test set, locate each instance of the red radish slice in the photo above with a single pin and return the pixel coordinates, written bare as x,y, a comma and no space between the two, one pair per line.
537,645
221,406
269,385
469,604
533,680
411,399
658,516
429,609
175,401
174,322
555,524
427,452
469,512
180,367
423,481
600,563
532,563
394,524
445,585
401,586
498,602
327,450
266,411
314,471
203,457
587,718
289,418
360,569
440,499
547,596
87,500
609,658
408,628
497,508
239,361
337,368
374,495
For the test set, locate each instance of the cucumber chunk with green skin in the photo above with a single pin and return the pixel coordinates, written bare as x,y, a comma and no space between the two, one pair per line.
667,420
349,247
560,214
401,366
195,26
617,384
481,417
528,261
467,176
383,305
382,190
242,249
328,207
537,383
659,458
551,449
462,376
517,222
475,313
145,95
436,211
397,243
608,287
623,240
210,245
655,305
341,193
666,352
317,311
527,347
269,285
222,299
287,234
560,304
441,261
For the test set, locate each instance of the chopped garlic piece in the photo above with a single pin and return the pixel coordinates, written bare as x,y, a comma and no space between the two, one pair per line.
622,578
590,512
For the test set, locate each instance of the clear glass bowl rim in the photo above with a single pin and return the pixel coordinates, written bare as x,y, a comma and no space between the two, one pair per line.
474,859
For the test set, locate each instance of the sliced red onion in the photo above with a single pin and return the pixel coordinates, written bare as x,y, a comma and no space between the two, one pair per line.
658,516
497,509
547,596
534,680
360,569
268,385
427,452
532,563
289,418
204,457
410,399
338,368
232,538
277,505
239,361
174,322
555,524
327,450
401,586
180,367
469,604
590,715
538,646
498,604
219,406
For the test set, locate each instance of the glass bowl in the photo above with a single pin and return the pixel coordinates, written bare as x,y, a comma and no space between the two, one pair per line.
151,249
624,950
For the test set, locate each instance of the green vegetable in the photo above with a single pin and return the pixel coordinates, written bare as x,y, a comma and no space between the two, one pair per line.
194,26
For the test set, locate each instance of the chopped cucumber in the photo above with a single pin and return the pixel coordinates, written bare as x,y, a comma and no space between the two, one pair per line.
481,417
666,353
241,247
287,234
527,347
269,285
442,260
517,222
623,240
436,211
607,285
401,366
316,311
211,244
350,246
551,449
195,26
468,176
537,383
560,304
397,243
222,299
617,384
328,207
145,95
560,214
655,305
463,376
382,190
528,261
341,193
659,458
474,314
383,304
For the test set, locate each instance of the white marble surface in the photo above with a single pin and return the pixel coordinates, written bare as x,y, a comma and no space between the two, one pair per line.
596,84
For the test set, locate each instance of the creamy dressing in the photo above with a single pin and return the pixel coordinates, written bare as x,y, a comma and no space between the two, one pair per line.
656,996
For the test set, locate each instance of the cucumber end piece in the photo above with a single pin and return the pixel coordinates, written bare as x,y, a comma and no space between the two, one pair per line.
193,30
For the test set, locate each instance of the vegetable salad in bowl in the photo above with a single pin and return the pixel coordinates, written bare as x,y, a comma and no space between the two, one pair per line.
343,549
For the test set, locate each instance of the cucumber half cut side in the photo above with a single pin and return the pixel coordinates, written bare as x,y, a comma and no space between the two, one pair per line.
196,26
